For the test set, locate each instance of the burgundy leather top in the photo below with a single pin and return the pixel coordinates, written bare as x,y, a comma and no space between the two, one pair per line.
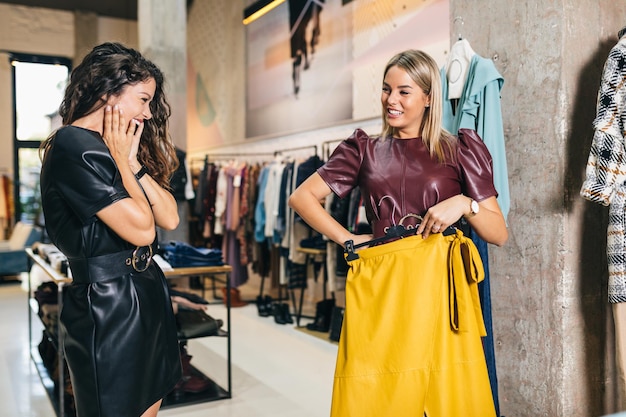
398,177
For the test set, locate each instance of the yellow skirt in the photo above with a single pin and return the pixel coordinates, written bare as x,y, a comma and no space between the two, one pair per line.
410,342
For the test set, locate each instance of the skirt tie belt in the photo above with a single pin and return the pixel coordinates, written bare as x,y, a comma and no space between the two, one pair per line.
465,271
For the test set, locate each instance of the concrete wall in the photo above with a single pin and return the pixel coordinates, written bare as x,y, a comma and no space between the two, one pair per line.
553,333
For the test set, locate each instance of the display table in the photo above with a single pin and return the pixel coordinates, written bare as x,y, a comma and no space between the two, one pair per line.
57,396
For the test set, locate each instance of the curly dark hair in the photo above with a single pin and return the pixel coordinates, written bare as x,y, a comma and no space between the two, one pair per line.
105,72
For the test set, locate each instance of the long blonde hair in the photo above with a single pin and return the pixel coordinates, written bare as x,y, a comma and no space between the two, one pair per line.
424,72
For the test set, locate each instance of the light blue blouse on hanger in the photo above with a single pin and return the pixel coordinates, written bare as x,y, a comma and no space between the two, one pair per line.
479,108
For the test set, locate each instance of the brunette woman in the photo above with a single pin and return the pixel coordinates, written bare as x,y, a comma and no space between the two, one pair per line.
104,186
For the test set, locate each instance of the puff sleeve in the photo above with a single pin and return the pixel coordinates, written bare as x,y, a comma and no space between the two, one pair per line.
341,171
475,166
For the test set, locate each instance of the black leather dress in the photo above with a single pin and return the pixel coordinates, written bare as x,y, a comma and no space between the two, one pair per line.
119,328
398,177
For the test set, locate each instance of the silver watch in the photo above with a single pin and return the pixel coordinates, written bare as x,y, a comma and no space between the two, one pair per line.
474,208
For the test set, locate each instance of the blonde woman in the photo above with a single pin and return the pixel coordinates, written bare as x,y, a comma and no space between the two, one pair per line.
410,344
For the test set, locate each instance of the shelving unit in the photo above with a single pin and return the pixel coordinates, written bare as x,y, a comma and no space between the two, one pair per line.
215,392
56,394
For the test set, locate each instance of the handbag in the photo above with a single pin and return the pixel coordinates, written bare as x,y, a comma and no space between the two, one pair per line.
196,323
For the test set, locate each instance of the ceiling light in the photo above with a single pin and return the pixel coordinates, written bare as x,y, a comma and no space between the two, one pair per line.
258,9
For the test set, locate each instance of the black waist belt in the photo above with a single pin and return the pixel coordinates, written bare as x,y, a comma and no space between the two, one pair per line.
112,265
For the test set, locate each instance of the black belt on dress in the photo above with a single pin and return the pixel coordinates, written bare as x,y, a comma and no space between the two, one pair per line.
112,265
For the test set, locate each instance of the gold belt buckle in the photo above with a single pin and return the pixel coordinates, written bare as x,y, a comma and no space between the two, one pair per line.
147,257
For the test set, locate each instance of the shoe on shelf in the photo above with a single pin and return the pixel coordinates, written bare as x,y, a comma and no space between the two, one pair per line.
235,298
190,382
196,384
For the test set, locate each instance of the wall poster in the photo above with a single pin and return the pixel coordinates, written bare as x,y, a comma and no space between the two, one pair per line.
310,63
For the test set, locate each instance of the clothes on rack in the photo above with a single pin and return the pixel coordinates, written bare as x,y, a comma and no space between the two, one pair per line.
204,207
181,183
277,221
182,190
223,209
471,88
234,244
350,213
243,210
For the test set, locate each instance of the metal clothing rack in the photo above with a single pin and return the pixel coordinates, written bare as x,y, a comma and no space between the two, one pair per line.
326,147
298,148
220,156
279,152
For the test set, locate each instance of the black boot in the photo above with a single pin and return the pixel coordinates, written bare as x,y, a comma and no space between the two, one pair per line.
281,313
277,312
264,305
323,312
286,313
268,301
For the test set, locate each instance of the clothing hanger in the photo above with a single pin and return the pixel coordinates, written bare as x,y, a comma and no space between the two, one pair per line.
460,21
458,64
392,232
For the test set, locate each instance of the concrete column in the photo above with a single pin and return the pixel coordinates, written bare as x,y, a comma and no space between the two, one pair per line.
163,39
162,27
85,34
552,323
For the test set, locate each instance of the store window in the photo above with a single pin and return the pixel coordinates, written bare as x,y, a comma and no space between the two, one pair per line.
38,85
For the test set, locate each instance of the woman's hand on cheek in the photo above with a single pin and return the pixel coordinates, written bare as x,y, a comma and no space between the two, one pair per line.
115,133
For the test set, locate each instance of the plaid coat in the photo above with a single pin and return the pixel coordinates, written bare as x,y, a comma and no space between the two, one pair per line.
605,174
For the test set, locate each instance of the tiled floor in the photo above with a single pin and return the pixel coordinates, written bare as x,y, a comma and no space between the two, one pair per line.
277,370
